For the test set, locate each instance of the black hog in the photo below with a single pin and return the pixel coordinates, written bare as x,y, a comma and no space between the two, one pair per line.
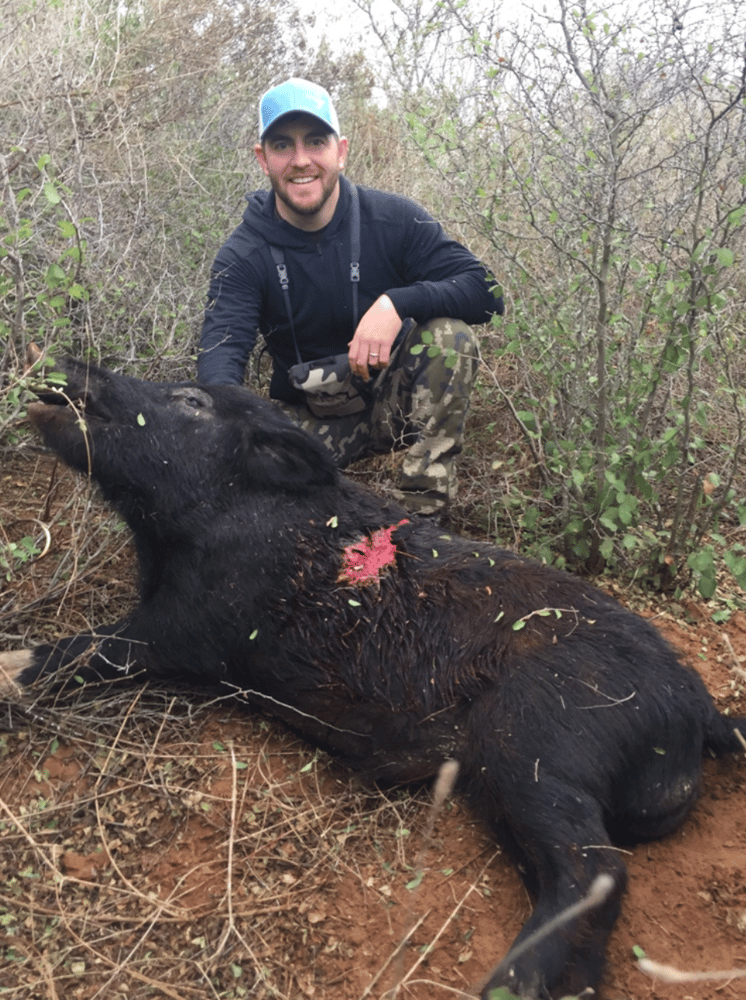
387,642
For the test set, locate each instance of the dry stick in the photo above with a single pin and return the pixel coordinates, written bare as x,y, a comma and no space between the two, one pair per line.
125,963
127,785
56,873
45,971
738,670
229,861
395,953
670,974
441,790
138,919
446,923
231,926
148,762
165,904
117,967
204,974
598,892
455,990
115,741
48,977
59,878
736,667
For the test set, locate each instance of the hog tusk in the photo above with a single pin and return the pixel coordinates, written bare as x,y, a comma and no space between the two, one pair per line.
47,536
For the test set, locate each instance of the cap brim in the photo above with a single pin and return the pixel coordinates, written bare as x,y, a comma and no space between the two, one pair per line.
296,114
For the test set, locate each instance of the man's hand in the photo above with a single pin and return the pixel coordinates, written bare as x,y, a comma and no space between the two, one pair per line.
375,334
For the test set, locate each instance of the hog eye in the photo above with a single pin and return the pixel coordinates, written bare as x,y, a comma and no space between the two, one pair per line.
192,398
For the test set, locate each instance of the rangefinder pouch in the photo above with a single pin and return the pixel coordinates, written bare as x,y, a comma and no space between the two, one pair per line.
330,386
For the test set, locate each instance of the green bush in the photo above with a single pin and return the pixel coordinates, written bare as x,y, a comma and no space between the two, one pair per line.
595,158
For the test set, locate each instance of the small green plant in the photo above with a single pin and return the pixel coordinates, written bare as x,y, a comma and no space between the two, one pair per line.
42,255
41,261
15,554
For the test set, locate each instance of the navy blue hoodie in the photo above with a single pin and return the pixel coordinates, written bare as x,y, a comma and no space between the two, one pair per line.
403,253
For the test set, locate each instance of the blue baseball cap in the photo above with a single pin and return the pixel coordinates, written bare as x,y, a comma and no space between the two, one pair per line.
298,96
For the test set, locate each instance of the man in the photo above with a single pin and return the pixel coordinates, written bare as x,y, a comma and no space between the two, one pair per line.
397,314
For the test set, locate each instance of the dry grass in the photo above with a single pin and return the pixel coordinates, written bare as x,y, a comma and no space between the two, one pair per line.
158,849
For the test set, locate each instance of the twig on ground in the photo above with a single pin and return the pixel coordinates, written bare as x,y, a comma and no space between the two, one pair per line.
670,974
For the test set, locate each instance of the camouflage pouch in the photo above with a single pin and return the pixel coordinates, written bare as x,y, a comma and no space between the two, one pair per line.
330,387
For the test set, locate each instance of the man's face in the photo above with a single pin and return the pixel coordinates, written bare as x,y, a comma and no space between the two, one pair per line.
303,163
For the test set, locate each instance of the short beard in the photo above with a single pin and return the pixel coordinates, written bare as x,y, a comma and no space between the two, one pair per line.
306,209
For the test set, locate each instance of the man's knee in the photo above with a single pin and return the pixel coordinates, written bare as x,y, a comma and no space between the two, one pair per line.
446,348
451,335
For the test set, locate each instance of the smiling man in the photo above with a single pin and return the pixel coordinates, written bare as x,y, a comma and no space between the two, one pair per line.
363,301
303,161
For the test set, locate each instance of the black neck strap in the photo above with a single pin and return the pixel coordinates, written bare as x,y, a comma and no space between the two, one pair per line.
282,272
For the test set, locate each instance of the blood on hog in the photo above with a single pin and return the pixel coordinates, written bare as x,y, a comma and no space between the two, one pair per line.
366,560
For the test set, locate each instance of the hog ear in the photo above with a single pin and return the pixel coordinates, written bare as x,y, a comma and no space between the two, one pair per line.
285,459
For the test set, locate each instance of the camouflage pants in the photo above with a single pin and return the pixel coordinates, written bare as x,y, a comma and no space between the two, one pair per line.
419,402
